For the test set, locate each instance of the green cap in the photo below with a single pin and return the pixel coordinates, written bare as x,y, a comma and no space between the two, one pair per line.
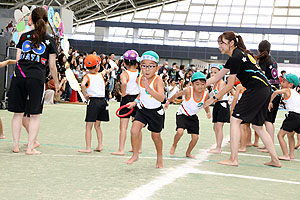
218,66
198,76
292,78
150,55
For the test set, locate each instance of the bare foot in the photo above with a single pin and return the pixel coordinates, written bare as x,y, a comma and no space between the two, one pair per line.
286,158
215,150
172,150
16,149
85,151
132,159
99,149
261,147
159,162
118,153
263,150
35,145
33,152
229,162
189,155
273,164
140,151
249,145
255,145
297,146
242,149
2,137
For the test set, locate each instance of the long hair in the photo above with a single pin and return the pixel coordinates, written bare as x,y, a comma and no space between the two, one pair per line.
264,49
39,18
237,39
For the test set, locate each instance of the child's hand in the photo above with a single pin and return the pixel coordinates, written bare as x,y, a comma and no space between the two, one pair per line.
87,97
208,115
131,104
166,106
208,102
145,83
270,106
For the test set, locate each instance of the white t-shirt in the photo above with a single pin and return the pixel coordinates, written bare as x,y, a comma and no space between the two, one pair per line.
174,91
114,67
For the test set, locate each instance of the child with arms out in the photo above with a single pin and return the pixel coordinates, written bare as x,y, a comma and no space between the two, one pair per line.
291,124
150,110
186,116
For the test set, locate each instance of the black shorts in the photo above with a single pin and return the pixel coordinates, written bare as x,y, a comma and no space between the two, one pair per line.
221,112
253,106
124,101
155,118
26,95
190,123
97,110
272,115
291,122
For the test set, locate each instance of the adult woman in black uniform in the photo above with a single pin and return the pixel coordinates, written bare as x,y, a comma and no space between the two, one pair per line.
34,50
252,107
269,66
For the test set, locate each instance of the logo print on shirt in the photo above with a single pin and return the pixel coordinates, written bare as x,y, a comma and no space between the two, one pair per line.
200,105
27,47
252,59
148,93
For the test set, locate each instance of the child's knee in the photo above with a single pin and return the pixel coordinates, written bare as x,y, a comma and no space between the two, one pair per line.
195,137
180,131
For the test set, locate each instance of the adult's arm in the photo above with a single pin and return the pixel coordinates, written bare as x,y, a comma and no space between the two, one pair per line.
217,77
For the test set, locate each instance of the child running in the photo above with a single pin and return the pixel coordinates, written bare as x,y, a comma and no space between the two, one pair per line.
292,121
93,89
130,91
150,109
221,111
186,115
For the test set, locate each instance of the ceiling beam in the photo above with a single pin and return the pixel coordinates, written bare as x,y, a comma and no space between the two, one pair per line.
154,4
96,13
21,4
71,3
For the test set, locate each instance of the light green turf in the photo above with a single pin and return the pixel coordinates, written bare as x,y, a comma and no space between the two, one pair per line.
62,173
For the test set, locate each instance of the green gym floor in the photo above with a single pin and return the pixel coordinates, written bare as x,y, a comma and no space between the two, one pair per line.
63,173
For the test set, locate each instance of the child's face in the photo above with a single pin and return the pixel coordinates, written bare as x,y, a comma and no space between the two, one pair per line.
286,84
149,68
214,71
199,85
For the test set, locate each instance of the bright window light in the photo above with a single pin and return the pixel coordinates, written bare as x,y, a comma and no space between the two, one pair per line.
280,11
281,2
225,2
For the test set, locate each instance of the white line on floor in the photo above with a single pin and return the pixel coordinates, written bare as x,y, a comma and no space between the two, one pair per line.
245,177
147,190
93,156
254,155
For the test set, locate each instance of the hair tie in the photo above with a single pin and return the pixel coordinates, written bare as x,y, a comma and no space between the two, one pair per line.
45,19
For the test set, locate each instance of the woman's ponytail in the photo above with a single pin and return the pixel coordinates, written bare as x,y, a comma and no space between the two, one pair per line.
39,19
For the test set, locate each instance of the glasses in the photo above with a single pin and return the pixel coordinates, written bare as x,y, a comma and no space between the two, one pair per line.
148,66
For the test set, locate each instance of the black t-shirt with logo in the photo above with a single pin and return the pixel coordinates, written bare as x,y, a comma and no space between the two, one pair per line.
33,61
269,66
246,69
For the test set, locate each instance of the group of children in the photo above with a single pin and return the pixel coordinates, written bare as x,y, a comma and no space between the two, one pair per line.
144,91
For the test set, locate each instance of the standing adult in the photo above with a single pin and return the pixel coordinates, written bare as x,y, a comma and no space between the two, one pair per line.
269,66
253,105
34,50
